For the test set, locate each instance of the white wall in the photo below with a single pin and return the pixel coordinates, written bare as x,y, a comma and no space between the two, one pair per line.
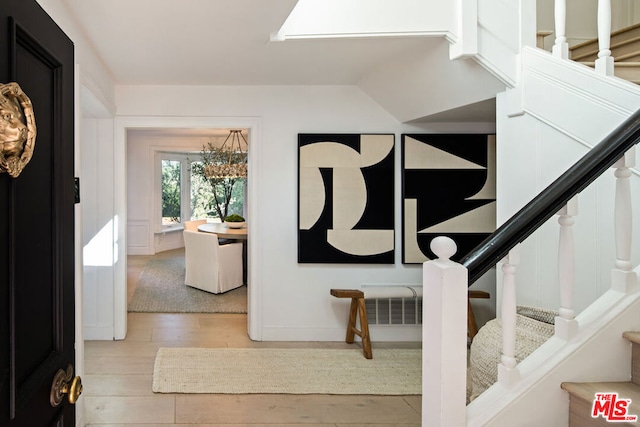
411,87
95,75
529,171
504,26
98,227
294,302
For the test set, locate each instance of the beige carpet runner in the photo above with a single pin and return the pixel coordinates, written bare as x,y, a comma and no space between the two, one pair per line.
287,371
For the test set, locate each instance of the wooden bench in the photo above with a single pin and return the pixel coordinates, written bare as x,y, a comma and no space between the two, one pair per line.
358,308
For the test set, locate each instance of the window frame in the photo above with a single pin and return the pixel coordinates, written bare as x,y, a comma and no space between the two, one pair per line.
186,158
185,188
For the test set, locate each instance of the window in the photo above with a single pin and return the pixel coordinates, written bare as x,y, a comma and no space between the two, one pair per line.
171,184
185,196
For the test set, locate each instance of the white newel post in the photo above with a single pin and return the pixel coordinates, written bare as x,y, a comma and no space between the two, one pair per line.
604,63
623,278
444,338
508,373
561,47
566,326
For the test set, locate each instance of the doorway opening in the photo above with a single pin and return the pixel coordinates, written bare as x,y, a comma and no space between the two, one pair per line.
169,192
131,230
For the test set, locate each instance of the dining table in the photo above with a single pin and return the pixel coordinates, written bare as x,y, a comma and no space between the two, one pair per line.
223,231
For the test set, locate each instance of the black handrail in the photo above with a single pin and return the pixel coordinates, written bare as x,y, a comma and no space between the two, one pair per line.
553,198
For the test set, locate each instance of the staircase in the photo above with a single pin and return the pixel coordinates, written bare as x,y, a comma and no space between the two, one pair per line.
582,395
561,105
625,49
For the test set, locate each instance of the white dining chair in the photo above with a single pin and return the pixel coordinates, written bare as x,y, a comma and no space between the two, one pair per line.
210,266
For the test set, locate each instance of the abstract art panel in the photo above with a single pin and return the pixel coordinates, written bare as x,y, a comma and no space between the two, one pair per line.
346,198
448,189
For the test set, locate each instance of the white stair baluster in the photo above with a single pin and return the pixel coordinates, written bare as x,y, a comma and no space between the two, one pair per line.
565,324
561,47
604,63
623,278
508,373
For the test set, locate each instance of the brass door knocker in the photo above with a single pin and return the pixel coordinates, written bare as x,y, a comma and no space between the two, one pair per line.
17,129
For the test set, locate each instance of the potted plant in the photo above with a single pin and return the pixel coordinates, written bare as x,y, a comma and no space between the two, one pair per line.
234,221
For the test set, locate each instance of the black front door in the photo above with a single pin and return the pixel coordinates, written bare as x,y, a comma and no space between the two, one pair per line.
37,222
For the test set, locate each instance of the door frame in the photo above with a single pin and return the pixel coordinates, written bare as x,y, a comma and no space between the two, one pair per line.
121,125
79,267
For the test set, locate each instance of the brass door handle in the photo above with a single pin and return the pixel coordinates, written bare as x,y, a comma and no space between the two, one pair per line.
65,383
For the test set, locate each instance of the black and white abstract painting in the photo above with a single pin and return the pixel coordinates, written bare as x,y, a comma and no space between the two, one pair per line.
448,189
346,198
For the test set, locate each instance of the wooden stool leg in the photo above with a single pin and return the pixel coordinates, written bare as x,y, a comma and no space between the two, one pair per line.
351,326
472,326
357,307
364,329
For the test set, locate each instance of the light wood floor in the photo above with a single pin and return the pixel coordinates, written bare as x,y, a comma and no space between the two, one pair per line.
118,376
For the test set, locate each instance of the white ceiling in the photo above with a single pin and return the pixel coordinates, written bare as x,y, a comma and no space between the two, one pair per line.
221,42
228,42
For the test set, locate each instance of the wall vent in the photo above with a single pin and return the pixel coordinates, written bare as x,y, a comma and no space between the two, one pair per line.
394,311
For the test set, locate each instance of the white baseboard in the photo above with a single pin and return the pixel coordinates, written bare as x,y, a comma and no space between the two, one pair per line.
98,333
137,250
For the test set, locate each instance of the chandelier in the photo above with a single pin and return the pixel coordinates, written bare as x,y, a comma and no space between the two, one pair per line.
230,160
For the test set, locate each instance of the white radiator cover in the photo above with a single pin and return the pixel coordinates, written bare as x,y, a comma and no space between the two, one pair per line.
394,311
394,305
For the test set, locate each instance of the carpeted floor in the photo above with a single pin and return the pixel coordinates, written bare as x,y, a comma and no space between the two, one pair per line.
287,371
161,289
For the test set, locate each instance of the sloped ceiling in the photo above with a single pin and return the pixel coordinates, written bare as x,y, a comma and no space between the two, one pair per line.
220,42
428,87
228,42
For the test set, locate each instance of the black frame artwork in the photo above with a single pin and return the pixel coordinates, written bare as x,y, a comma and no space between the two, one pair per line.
346,198
448,189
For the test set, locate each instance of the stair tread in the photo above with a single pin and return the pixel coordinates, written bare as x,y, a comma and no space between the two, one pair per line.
629,64
582,403
613,47
633,336
589,48
587,390
625,57
613,34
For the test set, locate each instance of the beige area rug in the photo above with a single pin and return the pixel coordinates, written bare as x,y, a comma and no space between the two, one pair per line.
161,289
287,371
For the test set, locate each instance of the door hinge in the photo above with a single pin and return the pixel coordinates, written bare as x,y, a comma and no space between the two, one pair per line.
76,189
